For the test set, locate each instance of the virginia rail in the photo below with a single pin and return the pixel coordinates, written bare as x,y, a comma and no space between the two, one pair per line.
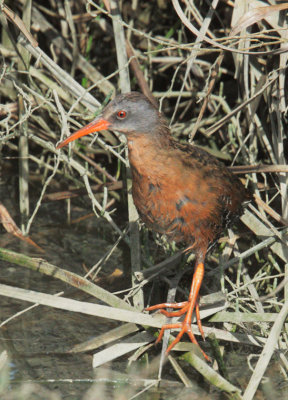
179,190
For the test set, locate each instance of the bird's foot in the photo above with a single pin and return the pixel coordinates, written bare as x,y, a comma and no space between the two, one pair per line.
184,307
184,326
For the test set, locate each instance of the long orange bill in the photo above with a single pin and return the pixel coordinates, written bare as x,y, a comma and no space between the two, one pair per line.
98,124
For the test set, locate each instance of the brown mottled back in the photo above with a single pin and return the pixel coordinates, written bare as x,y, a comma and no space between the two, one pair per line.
182,191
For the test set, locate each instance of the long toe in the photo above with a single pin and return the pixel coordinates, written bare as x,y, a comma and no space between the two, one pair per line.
167,305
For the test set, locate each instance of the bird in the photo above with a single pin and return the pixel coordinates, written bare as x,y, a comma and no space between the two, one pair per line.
179,190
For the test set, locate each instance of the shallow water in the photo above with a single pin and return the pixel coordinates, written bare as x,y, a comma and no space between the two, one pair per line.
38,340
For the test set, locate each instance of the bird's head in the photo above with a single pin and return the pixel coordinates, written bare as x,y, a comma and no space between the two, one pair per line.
130,114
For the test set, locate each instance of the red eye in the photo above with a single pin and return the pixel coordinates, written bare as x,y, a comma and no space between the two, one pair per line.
121,114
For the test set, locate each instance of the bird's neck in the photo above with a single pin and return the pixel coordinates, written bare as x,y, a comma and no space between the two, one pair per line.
148,151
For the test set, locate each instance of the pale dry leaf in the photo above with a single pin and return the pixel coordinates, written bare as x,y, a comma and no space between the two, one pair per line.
255,15
11,227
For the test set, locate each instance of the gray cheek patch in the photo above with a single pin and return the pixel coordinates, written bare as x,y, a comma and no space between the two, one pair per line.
142,116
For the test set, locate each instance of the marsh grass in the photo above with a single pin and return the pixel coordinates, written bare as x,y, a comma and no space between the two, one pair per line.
219,74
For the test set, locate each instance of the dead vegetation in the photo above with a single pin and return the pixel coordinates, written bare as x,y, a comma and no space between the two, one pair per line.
219,73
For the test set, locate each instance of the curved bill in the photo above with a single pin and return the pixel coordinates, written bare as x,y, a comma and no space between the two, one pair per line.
97,125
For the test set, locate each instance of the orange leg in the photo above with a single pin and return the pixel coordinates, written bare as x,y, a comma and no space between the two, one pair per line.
185,307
